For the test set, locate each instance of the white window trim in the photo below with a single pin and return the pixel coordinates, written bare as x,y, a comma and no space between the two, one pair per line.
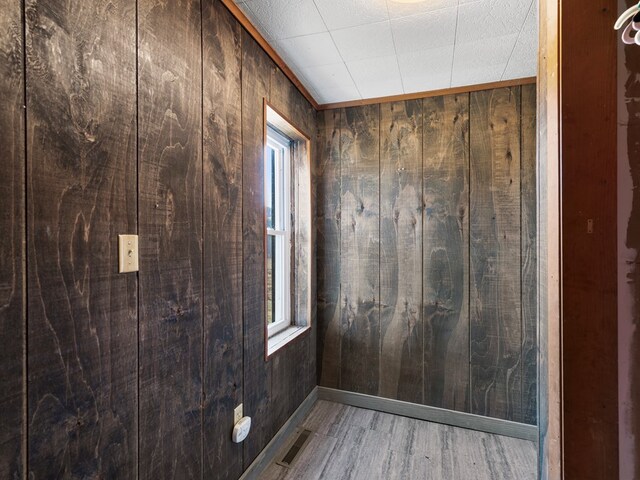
282,146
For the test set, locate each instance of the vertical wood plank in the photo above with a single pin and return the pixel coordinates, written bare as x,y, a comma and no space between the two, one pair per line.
529,259
170,201
360,249
256,74
12,250
401,329
222,238
81,194
327,173
496,328
286,98
290,366
446,252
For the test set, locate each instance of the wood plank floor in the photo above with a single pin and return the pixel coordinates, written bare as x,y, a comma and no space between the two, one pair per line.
354,443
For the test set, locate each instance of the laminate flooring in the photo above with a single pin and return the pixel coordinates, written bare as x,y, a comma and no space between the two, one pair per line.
355,443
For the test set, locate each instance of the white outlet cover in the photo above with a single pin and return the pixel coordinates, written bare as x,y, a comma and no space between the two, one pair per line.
241,430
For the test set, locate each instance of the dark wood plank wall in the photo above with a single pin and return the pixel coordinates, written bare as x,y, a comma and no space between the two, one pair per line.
273,389
446,252
143,117
12,254
495,313
81,192
256,79
360,249
455,271
327,173
401,320
222,232
529,255
294,367
170,225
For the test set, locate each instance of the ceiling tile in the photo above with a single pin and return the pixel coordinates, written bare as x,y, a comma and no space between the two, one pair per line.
309,50
479,62
424,31
364,41
426,70
332,82
399,10
349,13
477,75
345,50
286,18
519,66
376,77
490,18
524,59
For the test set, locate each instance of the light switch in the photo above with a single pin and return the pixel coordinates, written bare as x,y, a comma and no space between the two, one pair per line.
127,253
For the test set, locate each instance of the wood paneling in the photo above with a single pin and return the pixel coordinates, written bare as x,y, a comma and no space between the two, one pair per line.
328,176
222,239
495,309
255,35
360,250
431,93
448,236
256,75
548,235
529,256
290,367
12,251
401,329
81,187
170,202
137,375
589,260
446,252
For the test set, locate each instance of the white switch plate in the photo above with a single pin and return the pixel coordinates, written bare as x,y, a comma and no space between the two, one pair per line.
237,414
127,253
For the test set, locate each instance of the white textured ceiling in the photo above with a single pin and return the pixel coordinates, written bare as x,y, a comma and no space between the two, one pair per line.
345,50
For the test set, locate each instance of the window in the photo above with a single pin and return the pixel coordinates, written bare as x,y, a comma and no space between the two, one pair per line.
287,204
277,188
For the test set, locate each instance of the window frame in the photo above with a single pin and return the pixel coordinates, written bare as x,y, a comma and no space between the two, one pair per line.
281,145
301,220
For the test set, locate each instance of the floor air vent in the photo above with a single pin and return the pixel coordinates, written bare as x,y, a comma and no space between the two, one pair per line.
298,445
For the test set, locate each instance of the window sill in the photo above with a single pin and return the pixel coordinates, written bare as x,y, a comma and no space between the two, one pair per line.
279,340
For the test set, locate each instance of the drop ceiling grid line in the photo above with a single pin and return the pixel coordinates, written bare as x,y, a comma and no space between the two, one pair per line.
338,50
455,45
515,44
319,60
395,50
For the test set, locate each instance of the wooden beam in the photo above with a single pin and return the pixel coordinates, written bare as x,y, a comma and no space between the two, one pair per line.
548,188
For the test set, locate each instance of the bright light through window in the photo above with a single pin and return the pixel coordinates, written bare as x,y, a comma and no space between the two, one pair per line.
277,187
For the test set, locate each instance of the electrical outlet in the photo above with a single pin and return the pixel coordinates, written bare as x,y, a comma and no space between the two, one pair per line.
237,414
